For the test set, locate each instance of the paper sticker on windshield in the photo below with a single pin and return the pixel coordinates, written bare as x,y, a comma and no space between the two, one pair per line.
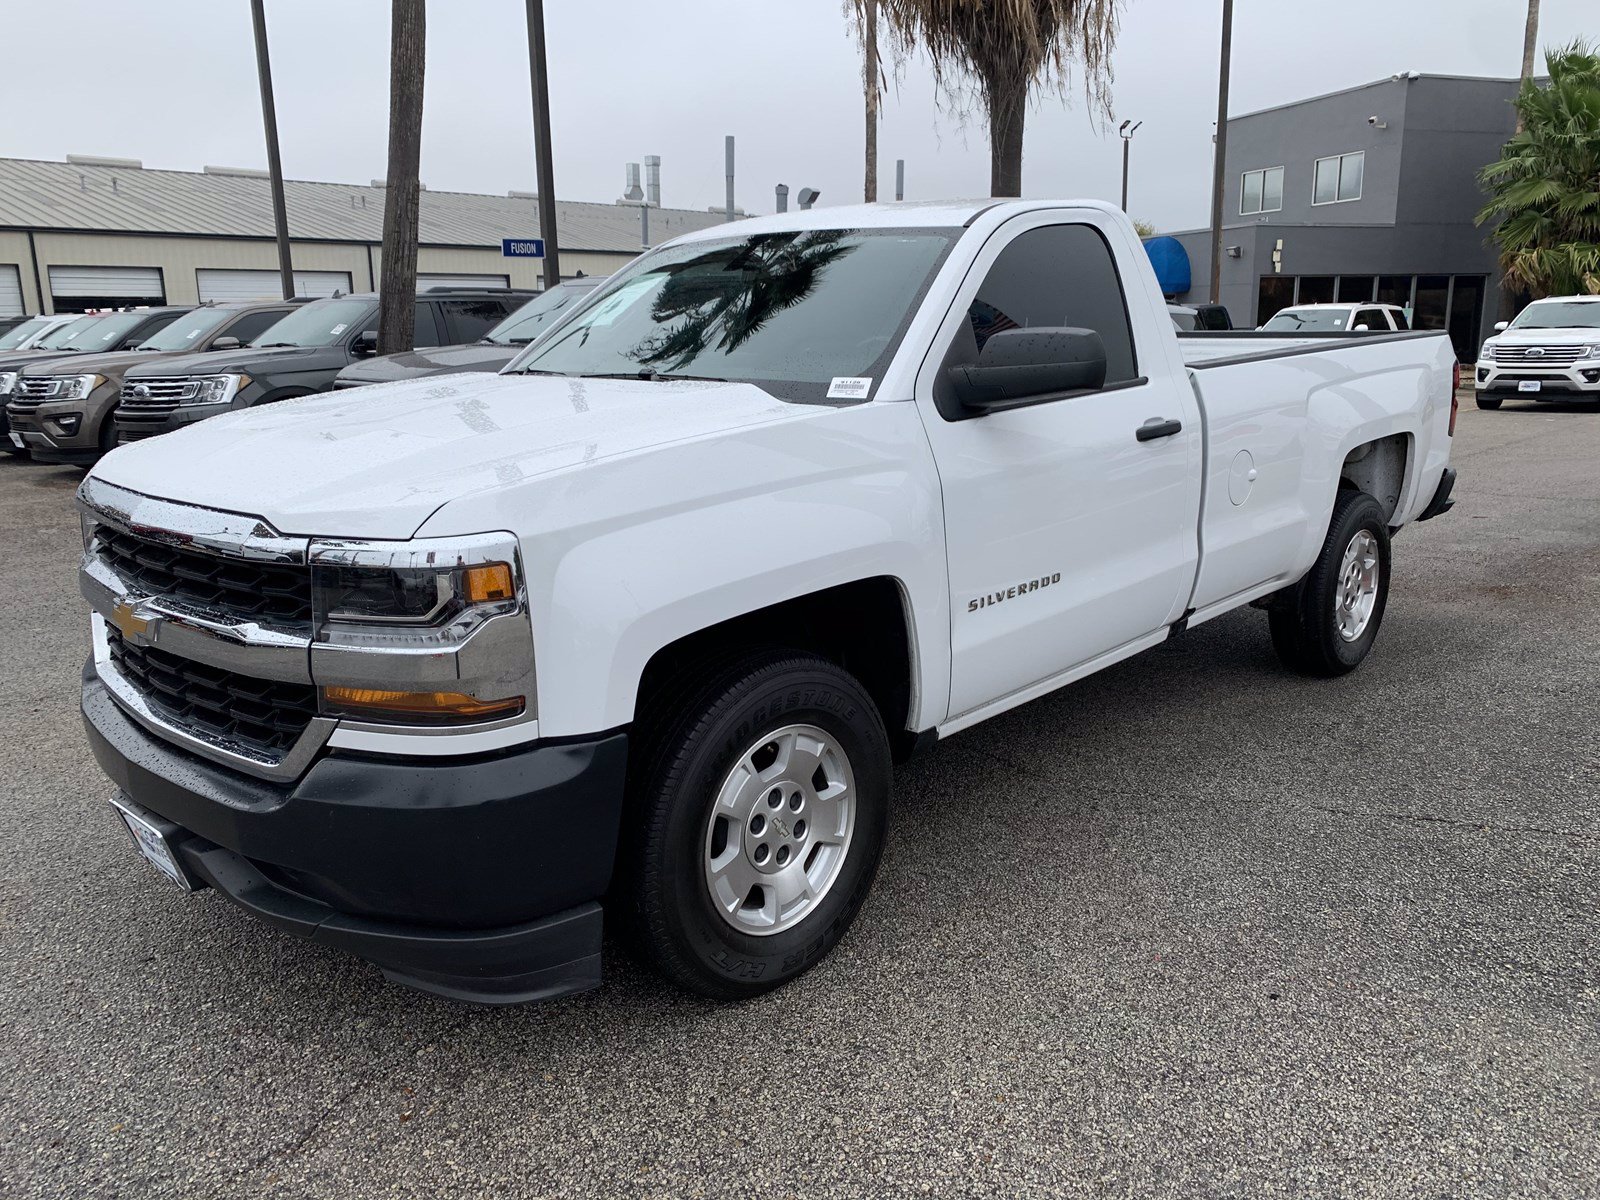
338,329
849,387
615,304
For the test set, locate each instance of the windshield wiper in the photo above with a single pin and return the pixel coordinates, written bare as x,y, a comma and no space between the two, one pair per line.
279,346
651,376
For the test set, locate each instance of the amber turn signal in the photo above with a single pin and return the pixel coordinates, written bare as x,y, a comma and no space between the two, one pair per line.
488,583
447,706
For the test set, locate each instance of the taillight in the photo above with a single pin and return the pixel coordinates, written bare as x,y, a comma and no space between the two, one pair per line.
1455,398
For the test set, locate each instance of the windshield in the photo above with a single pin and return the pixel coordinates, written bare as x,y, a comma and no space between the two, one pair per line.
21,333
537,314
1559,314
185,333
108,332
70,336
1309,320
808,315
320,323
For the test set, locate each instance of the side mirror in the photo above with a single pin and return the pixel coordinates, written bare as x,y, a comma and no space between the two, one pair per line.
1362,328
131,343
1501,326
366,344
226,342
1019,366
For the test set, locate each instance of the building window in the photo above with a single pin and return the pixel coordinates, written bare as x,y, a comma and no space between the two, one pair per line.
1339,178
1261,191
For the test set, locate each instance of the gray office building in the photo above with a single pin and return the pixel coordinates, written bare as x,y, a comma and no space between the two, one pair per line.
1364,194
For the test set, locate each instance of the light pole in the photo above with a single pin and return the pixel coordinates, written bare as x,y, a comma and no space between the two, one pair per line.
1126,131
269,118
1220,161
543,158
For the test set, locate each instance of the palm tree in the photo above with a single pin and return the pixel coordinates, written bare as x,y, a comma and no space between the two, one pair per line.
1004,48
866,12
1545,189
402,198
1530,45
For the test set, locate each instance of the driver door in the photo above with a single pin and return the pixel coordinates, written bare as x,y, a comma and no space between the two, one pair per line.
1067,535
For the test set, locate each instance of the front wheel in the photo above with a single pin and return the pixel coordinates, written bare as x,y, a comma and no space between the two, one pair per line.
1326,625
759,811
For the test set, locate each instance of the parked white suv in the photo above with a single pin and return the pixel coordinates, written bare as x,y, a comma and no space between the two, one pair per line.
1338,318
440,671
1550,352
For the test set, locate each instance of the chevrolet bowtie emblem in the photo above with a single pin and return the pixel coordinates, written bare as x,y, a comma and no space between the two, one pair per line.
129,623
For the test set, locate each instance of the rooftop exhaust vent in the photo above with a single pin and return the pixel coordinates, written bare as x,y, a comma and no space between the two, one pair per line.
96,160
246,172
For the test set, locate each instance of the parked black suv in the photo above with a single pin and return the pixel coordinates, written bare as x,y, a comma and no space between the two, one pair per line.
299,355
494,350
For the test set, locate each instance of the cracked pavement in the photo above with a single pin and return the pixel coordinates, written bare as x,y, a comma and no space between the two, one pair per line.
1193,927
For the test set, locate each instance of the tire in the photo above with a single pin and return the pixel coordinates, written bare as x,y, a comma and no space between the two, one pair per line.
693,749
1312,625
1489,402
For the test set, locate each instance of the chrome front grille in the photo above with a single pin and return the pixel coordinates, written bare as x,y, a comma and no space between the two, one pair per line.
28,394
278,594
262,716
1539,356
154,399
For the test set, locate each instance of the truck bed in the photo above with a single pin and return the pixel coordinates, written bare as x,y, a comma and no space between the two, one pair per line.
1205,348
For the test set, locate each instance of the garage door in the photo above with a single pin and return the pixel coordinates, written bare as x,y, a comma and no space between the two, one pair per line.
77,288
224,286
425,281
10,291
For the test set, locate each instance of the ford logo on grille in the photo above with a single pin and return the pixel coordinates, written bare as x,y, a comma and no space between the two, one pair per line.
1536,352
142,390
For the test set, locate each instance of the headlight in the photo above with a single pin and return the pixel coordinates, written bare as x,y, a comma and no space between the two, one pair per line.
217,389
8,380
78,387
418,601
1591,352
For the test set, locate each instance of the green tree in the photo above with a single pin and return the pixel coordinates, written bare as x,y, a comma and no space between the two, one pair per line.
1002,49
1145,229
1545,188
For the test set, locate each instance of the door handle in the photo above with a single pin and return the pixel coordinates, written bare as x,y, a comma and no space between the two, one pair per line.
1158,427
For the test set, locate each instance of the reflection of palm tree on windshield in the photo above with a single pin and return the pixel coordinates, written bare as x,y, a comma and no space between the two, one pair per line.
725,297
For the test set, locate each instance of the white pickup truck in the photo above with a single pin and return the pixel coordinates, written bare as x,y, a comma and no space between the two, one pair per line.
439,672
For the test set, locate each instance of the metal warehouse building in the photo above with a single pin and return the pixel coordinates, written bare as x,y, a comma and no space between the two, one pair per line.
100,233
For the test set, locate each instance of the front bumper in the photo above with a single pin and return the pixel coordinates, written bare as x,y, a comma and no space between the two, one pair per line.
478,879
1580,381
66,431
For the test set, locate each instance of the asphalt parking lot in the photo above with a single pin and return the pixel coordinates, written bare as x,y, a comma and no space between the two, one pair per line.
1193,927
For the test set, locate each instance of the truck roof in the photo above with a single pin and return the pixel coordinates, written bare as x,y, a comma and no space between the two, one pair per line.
899,214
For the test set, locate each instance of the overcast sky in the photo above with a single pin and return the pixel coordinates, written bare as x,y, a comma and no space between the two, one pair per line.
173,82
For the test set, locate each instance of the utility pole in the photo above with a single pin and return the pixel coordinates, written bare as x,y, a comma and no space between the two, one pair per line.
728,150
1126,132
269,118
541,143
1220,161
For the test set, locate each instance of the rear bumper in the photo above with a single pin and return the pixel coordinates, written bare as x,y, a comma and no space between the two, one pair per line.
478,879
1443,499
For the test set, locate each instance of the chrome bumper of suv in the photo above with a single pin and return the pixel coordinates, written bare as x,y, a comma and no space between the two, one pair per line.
204,633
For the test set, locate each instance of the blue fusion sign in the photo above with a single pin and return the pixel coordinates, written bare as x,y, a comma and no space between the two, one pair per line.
522,248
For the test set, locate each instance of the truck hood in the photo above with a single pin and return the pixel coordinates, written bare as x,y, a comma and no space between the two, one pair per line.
376,462
440,360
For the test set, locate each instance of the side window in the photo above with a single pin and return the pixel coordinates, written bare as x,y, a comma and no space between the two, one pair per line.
427,331
1373,318
1400,321
252,325
1051,277
157,323
469,320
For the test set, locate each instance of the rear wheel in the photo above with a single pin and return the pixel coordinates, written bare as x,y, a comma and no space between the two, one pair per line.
1326,625
759,808
1489,402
